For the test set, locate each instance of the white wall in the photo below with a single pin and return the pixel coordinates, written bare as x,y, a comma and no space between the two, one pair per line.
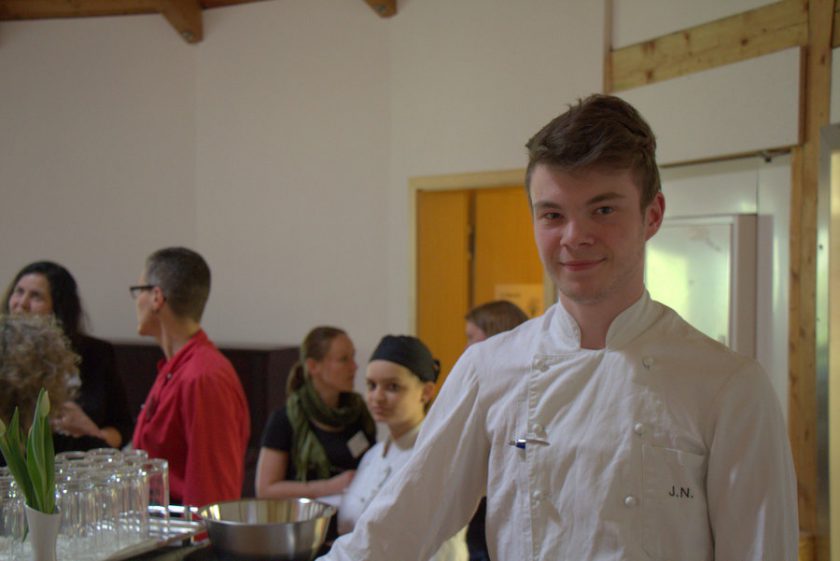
471,81
96,152
280,147
292,159
635,21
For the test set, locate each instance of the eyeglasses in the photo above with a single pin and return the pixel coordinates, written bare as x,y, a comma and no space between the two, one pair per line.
137,289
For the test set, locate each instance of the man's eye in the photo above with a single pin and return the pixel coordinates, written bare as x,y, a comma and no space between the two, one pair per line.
393,387
551,216
604,210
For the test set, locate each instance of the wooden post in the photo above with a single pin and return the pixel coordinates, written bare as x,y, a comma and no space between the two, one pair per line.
815,102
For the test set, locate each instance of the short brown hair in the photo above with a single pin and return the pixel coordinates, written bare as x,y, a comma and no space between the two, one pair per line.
496,316
184,278
600,132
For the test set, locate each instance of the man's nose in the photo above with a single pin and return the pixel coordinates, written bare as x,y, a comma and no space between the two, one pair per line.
577,232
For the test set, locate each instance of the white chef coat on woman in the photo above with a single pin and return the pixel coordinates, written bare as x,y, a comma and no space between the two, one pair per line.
376,472
664,445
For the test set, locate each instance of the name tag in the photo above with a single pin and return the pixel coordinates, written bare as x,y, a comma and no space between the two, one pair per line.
358,444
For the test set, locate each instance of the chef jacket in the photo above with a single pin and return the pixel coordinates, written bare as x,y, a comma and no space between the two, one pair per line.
376,471
663,445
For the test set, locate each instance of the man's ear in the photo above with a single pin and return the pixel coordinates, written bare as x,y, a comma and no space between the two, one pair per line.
158,298
654,213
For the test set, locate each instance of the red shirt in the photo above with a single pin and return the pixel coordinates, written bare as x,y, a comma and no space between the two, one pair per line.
196,417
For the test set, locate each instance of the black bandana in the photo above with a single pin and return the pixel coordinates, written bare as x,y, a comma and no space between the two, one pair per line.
409,352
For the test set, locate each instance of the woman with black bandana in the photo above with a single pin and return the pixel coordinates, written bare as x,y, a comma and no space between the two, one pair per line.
400,379
312,445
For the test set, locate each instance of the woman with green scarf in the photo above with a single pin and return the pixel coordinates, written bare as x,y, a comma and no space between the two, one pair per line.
312,446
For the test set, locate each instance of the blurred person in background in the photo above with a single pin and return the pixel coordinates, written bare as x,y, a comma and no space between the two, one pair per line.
312,445
99,416
491,318
196,414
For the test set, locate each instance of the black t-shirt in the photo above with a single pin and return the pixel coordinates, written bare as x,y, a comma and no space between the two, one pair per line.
278,435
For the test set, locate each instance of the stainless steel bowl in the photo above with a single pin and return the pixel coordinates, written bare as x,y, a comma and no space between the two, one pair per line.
267,529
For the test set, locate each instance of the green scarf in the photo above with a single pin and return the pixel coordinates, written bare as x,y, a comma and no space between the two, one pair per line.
305,405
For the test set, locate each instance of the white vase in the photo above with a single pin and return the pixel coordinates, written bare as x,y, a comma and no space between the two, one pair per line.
43,533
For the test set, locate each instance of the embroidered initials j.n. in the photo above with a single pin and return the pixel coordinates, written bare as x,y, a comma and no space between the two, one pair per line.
680,493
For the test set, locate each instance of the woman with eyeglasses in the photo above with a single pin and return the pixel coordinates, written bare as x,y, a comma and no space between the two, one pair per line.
99,416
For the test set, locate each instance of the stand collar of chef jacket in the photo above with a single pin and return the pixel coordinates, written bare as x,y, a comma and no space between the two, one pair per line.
564,332
405,442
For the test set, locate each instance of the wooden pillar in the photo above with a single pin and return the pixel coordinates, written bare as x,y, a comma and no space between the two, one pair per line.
815,101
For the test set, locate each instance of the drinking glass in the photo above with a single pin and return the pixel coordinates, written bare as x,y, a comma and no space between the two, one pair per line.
76,499
157,471
12,519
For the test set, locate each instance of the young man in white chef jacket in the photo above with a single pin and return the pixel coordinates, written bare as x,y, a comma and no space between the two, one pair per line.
608,428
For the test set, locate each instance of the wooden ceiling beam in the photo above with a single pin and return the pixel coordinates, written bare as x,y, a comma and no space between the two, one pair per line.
185,17
385,8
45,9
750,34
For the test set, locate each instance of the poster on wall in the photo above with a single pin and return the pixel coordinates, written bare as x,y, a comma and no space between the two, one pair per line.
529,297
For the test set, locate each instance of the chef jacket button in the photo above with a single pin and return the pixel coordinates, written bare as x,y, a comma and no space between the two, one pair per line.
639,428
538,430
540,365
630,501
537,496
647,362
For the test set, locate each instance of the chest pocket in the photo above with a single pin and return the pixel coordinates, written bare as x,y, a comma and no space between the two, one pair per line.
674,509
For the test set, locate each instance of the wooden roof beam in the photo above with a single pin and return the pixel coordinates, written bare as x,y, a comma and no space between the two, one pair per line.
385,8
757,32
185,17
46,9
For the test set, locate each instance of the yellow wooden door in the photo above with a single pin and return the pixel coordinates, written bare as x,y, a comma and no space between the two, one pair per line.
506,263
473,246
443,233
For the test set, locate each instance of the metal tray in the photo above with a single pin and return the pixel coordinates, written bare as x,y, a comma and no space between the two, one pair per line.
177,532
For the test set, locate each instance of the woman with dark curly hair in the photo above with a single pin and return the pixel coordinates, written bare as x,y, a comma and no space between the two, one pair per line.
33,354
99,416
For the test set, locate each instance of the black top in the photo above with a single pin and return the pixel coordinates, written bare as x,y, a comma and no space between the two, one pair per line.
102,394
278,435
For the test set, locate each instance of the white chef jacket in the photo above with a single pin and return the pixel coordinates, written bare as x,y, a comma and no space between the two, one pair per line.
375,472
664,445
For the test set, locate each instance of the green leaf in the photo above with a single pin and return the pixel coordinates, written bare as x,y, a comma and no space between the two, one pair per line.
36,459
32,466
12,449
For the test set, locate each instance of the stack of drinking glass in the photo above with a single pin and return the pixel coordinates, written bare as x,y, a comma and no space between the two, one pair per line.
108,500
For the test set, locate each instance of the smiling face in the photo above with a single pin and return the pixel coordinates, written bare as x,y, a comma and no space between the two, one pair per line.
591,235
395,396
31,295
336,371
